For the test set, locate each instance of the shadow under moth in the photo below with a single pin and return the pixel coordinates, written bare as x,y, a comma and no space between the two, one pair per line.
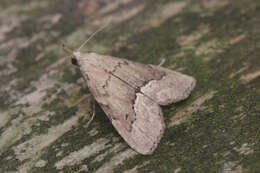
131,93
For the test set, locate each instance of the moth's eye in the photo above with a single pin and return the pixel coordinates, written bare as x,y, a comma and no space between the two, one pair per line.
74,61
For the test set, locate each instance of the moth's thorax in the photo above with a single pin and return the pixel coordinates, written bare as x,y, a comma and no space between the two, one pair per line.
85,59
77,54
78,57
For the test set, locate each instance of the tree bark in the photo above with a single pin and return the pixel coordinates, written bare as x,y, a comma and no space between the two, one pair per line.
215,130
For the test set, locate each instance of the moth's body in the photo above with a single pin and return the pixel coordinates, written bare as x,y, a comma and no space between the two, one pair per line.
130,94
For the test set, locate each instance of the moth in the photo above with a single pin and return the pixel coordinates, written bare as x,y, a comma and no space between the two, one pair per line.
131,93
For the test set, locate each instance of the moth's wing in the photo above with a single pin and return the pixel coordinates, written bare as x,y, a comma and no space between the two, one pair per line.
136,117
171,88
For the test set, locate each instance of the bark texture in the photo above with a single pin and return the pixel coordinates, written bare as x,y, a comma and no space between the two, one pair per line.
216,42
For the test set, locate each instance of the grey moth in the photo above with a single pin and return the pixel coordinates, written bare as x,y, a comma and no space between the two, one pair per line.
131,93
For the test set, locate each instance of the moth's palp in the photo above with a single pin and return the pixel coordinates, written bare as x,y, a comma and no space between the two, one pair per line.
66,49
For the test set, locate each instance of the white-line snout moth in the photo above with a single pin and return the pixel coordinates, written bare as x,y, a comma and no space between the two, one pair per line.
131,93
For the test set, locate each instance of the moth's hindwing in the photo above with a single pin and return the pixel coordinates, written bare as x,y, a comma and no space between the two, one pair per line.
130,94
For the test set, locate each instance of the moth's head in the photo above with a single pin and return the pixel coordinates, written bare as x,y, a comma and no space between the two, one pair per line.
72,55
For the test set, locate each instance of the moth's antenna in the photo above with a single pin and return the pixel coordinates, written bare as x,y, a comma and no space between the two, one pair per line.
92,35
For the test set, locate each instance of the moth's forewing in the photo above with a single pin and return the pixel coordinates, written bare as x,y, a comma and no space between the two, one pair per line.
172,88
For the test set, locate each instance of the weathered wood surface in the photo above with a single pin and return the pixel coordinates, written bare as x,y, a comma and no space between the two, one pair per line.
214,130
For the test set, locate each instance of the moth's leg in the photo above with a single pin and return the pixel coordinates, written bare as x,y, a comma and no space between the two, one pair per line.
93,110
80,100
162,62
93,115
